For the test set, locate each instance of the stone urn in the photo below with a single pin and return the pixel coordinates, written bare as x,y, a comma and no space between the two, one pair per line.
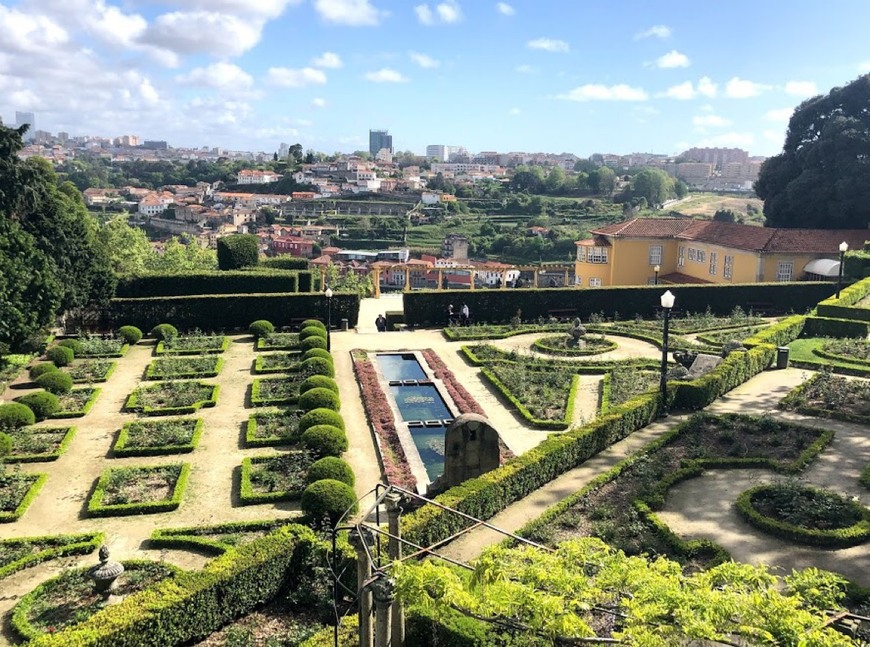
105,573
576,332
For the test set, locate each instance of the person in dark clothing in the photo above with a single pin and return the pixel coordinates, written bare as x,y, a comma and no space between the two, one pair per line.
381,323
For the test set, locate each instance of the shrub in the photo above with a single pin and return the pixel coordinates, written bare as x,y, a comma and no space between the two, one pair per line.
319,398
320,417
56,382
130,334
328,499
73,344
331,467
60,355
41,369
261,328
6,445
43,404
312,331
14,415
324,440
238,251
312,342
164,332
314,323
317,352
318,382
317,366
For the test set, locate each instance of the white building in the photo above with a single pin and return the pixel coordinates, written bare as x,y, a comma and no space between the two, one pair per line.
247,176
438,152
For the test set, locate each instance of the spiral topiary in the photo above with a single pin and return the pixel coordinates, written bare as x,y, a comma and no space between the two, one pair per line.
320,417
314,322
317,352
261,328
130,334
331,467
56,382
73,344
42,403
60,355
318,382
41,369
317,366
14,415
319,398
324,440
312,331
328,500
164,332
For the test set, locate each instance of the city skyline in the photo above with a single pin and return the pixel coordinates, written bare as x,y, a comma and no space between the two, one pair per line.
505,76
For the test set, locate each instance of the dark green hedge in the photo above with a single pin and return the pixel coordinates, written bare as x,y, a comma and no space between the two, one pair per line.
216,282
734,370
237,251
50,547
202,538
428,307
825,327
284,263
229,311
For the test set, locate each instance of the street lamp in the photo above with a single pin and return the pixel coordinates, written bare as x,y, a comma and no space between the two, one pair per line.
844,246
328,295
657,269
667,301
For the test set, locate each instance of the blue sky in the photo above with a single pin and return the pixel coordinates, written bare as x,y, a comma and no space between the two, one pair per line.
521,75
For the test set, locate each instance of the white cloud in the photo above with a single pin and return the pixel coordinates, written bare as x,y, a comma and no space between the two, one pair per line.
672,59
445,12
424,60
682,91
779,114
318,102
548,45
710,120
259,9
386,75
505,9
216,33
776,136
295,78
329,60
599,92
738,88
525,69
424,14
707,87
356,13
222,76
801,88
740,140
147,92
117,28
25,33
657,31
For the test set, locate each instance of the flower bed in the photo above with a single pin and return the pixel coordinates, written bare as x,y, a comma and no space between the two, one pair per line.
17,492
266,429
717,338
37,444
846,350
171,398
277,362
463,400
156,437
624,383
278,341
564,345
193,344
91,370
185,367
76,403
216,539
138,490
97,346
831,396
543,397
700,322
380,417
496,331
274,391
19,553
274,478
807,353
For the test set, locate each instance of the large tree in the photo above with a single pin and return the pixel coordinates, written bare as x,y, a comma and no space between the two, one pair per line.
653,184
822,177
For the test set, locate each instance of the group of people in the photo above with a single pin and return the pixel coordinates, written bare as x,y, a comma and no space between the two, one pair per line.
462,319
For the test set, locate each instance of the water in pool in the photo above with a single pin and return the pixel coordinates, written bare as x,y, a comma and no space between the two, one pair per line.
401,367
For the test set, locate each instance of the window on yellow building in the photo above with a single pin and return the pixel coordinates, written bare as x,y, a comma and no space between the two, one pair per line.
655,254
681,256
713,259
581,253
728,270
693,254
784,270
594,283
597,255
702,256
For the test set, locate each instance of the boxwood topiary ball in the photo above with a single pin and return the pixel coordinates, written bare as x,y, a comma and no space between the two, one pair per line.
328,500
56,382
14,415
73,344
324,440
43,404
315,323
319,398
317,352
261,328
317,366
60,355
320,417
130,334
318,382
312,331
41,369
331,467
164,332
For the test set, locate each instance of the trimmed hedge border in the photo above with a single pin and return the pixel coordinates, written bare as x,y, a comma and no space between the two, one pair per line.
44,458
149,372
97,509
541,346
500,332
830,327
132,404
37,481
103,378
120,449
863,363
838,538
119,353
161,349
207,282
60,415
506,394
189,537
262,345
247,495
260,360
258,401
251,439
792,402
77,544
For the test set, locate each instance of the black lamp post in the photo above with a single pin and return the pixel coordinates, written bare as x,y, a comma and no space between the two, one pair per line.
667,302
844,246
657,269
328,295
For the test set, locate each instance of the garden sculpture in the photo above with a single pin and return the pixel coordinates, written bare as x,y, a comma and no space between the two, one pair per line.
576,332
105,573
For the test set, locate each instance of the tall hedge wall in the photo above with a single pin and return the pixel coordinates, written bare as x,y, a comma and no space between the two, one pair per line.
284,262
229,311
229,282
429,307
237,251
843,308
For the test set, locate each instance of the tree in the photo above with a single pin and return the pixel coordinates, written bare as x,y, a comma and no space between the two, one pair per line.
822,177
585,591
527,181
680,189
603,180
725,215
653,184
556,179
237,251
127,247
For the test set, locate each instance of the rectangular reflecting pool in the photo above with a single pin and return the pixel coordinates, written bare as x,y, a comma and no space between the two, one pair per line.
402,366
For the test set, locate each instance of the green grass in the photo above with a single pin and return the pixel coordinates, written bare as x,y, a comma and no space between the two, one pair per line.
801,352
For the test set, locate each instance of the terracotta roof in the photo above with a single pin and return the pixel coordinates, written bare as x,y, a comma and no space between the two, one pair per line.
817,241
597,241
646,227
680,278
728,234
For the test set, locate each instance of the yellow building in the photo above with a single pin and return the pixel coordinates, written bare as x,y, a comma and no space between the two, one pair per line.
705,251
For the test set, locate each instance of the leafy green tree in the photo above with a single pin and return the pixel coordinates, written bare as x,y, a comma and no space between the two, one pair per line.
180,255
237,251
822,177
603,180
556,179
127,247
681,189
725,215
527,181
653,184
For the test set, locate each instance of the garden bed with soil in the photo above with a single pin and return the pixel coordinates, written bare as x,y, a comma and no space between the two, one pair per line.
543,397
38,444
193,344
158,437
277,362
97,346
17,491
86,371
266,429
855,351
831,396
184,367
623,383
23,552
274,391
804,353
565,345
698,322
278,341
138,490
274,478
171,397
76,403
214,539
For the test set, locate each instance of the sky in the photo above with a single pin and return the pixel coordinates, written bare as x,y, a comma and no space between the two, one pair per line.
522,75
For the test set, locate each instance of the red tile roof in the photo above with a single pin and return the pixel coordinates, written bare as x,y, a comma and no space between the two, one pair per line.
680,278
817,241
646,228
728,234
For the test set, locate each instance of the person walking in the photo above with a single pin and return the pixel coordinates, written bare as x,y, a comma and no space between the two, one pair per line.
451,316
381,323
465,315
